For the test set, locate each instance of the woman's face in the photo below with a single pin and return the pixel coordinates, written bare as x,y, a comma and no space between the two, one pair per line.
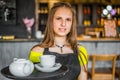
62,21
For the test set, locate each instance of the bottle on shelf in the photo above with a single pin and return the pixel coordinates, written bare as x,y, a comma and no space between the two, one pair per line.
87,15
118,22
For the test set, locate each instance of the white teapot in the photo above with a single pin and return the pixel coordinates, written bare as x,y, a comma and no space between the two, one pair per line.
21,67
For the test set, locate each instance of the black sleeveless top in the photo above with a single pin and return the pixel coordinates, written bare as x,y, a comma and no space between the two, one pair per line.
69,60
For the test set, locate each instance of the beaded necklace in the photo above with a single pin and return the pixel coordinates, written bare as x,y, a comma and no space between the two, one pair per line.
61,47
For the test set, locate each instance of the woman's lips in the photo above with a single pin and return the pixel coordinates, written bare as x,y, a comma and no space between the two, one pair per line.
62,29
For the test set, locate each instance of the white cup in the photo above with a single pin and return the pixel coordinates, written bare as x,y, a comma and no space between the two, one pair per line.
47,61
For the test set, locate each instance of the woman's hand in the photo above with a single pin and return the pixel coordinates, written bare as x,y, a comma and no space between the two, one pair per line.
83,73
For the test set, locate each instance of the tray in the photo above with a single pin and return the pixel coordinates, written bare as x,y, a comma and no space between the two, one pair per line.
36,75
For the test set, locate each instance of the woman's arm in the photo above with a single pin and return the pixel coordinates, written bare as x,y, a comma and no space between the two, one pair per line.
83,59
83,73
35,53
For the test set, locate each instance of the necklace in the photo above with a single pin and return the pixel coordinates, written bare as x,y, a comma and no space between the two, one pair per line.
61,47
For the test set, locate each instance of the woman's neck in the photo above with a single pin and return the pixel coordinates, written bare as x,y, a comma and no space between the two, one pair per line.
60,40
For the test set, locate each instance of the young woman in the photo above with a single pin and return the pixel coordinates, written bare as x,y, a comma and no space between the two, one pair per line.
61,40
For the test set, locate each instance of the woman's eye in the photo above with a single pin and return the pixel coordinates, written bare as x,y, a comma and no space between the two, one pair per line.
58,18
68,19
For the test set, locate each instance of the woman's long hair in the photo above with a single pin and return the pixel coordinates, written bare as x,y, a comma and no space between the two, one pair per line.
48,40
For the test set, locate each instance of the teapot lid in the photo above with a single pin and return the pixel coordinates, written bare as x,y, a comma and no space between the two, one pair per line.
19,60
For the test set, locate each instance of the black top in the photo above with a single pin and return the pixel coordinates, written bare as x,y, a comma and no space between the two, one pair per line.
70,60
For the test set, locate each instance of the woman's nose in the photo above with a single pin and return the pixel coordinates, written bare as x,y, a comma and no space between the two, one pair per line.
63,23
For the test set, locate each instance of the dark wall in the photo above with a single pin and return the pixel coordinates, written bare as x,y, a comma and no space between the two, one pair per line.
24,8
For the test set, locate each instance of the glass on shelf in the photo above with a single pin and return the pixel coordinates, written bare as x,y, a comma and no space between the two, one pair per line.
87,15
42,16
86,22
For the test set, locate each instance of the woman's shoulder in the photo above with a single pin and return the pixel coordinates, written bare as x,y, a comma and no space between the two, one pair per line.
82,48
35,53
37,48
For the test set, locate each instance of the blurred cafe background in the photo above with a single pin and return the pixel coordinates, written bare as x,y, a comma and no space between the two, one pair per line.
23,22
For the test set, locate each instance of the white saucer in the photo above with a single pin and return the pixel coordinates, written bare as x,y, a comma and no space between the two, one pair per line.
51,69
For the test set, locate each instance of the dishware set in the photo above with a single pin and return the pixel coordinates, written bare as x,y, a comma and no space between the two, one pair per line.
47,64
22,67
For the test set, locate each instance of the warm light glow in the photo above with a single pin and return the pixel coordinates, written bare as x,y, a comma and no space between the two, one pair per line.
109,7
105,12
108,12
113,12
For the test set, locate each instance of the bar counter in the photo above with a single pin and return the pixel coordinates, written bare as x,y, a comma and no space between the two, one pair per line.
20,48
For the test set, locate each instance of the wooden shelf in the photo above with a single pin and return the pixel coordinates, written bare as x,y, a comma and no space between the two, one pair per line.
98,39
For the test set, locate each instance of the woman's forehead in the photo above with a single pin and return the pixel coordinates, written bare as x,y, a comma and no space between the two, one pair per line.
63,11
